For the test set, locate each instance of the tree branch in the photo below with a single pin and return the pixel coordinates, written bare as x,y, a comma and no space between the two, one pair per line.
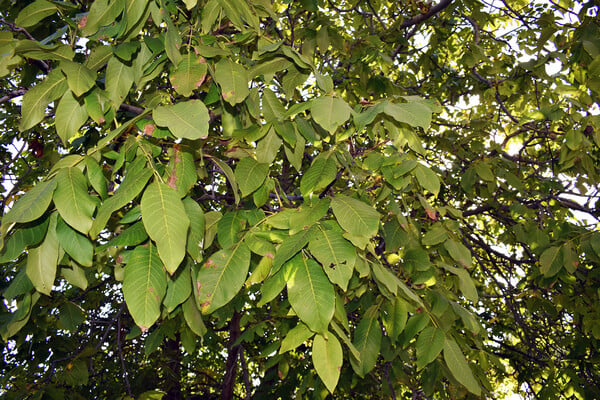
422,17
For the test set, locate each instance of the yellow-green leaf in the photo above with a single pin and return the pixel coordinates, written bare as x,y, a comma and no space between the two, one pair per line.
166,222
327,358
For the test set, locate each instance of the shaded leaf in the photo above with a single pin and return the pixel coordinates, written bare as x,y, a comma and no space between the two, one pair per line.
457,364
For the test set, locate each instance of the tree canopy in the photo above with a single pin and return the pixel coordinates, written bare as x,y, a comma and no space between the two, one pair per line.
299,199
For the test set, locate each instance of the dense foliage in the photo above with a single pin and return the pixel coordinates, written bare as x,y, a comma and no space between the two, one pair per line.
296,199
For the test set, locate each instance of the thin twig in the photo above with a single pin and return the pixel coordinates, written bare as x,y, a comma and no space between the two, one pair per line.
122,358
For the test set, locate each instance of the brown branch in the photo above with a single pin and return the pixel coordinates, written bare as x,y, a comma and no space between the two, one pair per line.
13,94
233,352
422,17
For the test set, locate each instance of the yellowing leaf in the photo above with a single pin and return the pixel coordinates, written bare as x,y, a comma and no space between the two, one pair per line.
189,75
221,277
327,358
233,79
330,112
186,120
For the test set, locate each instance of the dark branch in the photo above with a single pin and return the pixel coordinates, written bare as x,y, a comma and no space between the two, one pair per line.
422,17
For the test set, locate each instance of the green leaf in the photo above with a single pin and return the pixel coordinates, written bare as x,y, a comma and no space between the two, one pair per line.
222,277
551,261
459,252
102,13
330,112
193,317
37,99
268,147
233,80
189,74
182,174
457,364
119,79
467,286
427,179
436,235
32,204
307,214
414,114
320,174
250,175
327,358
228,172
179,288
71,316
96,177
70,115
429,344
144,286
72,200
394,317
130,187
42,260
354,216
310,293
336,254
186,119
19,285
295,337
290,246
195,239
22,238
485,172
273,110
172,41
75,276
79,77
229,227
75,244
367,340
34,13
166,222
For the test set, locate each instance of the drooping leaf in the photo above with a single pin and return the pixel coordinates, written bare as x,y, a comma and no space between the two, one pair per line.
290,246
75,244
367,340
330,112
195,239
32,204
250,175
130,187
186,120
79,77
222,276
394,317
229,227
427,179
166,222
34,13
72,200
69,117
310,293
459,252
42,260
179,288
414,113
295,337
320,174
189,74
233,79
102,13
22,238
193,317
354,216
144,286
37,99
336,254
327,358
119,78
457,364
551,261
429,344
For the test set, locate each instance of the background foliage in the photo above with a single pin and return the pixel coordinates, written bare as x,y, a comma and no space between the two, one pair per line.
262,199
